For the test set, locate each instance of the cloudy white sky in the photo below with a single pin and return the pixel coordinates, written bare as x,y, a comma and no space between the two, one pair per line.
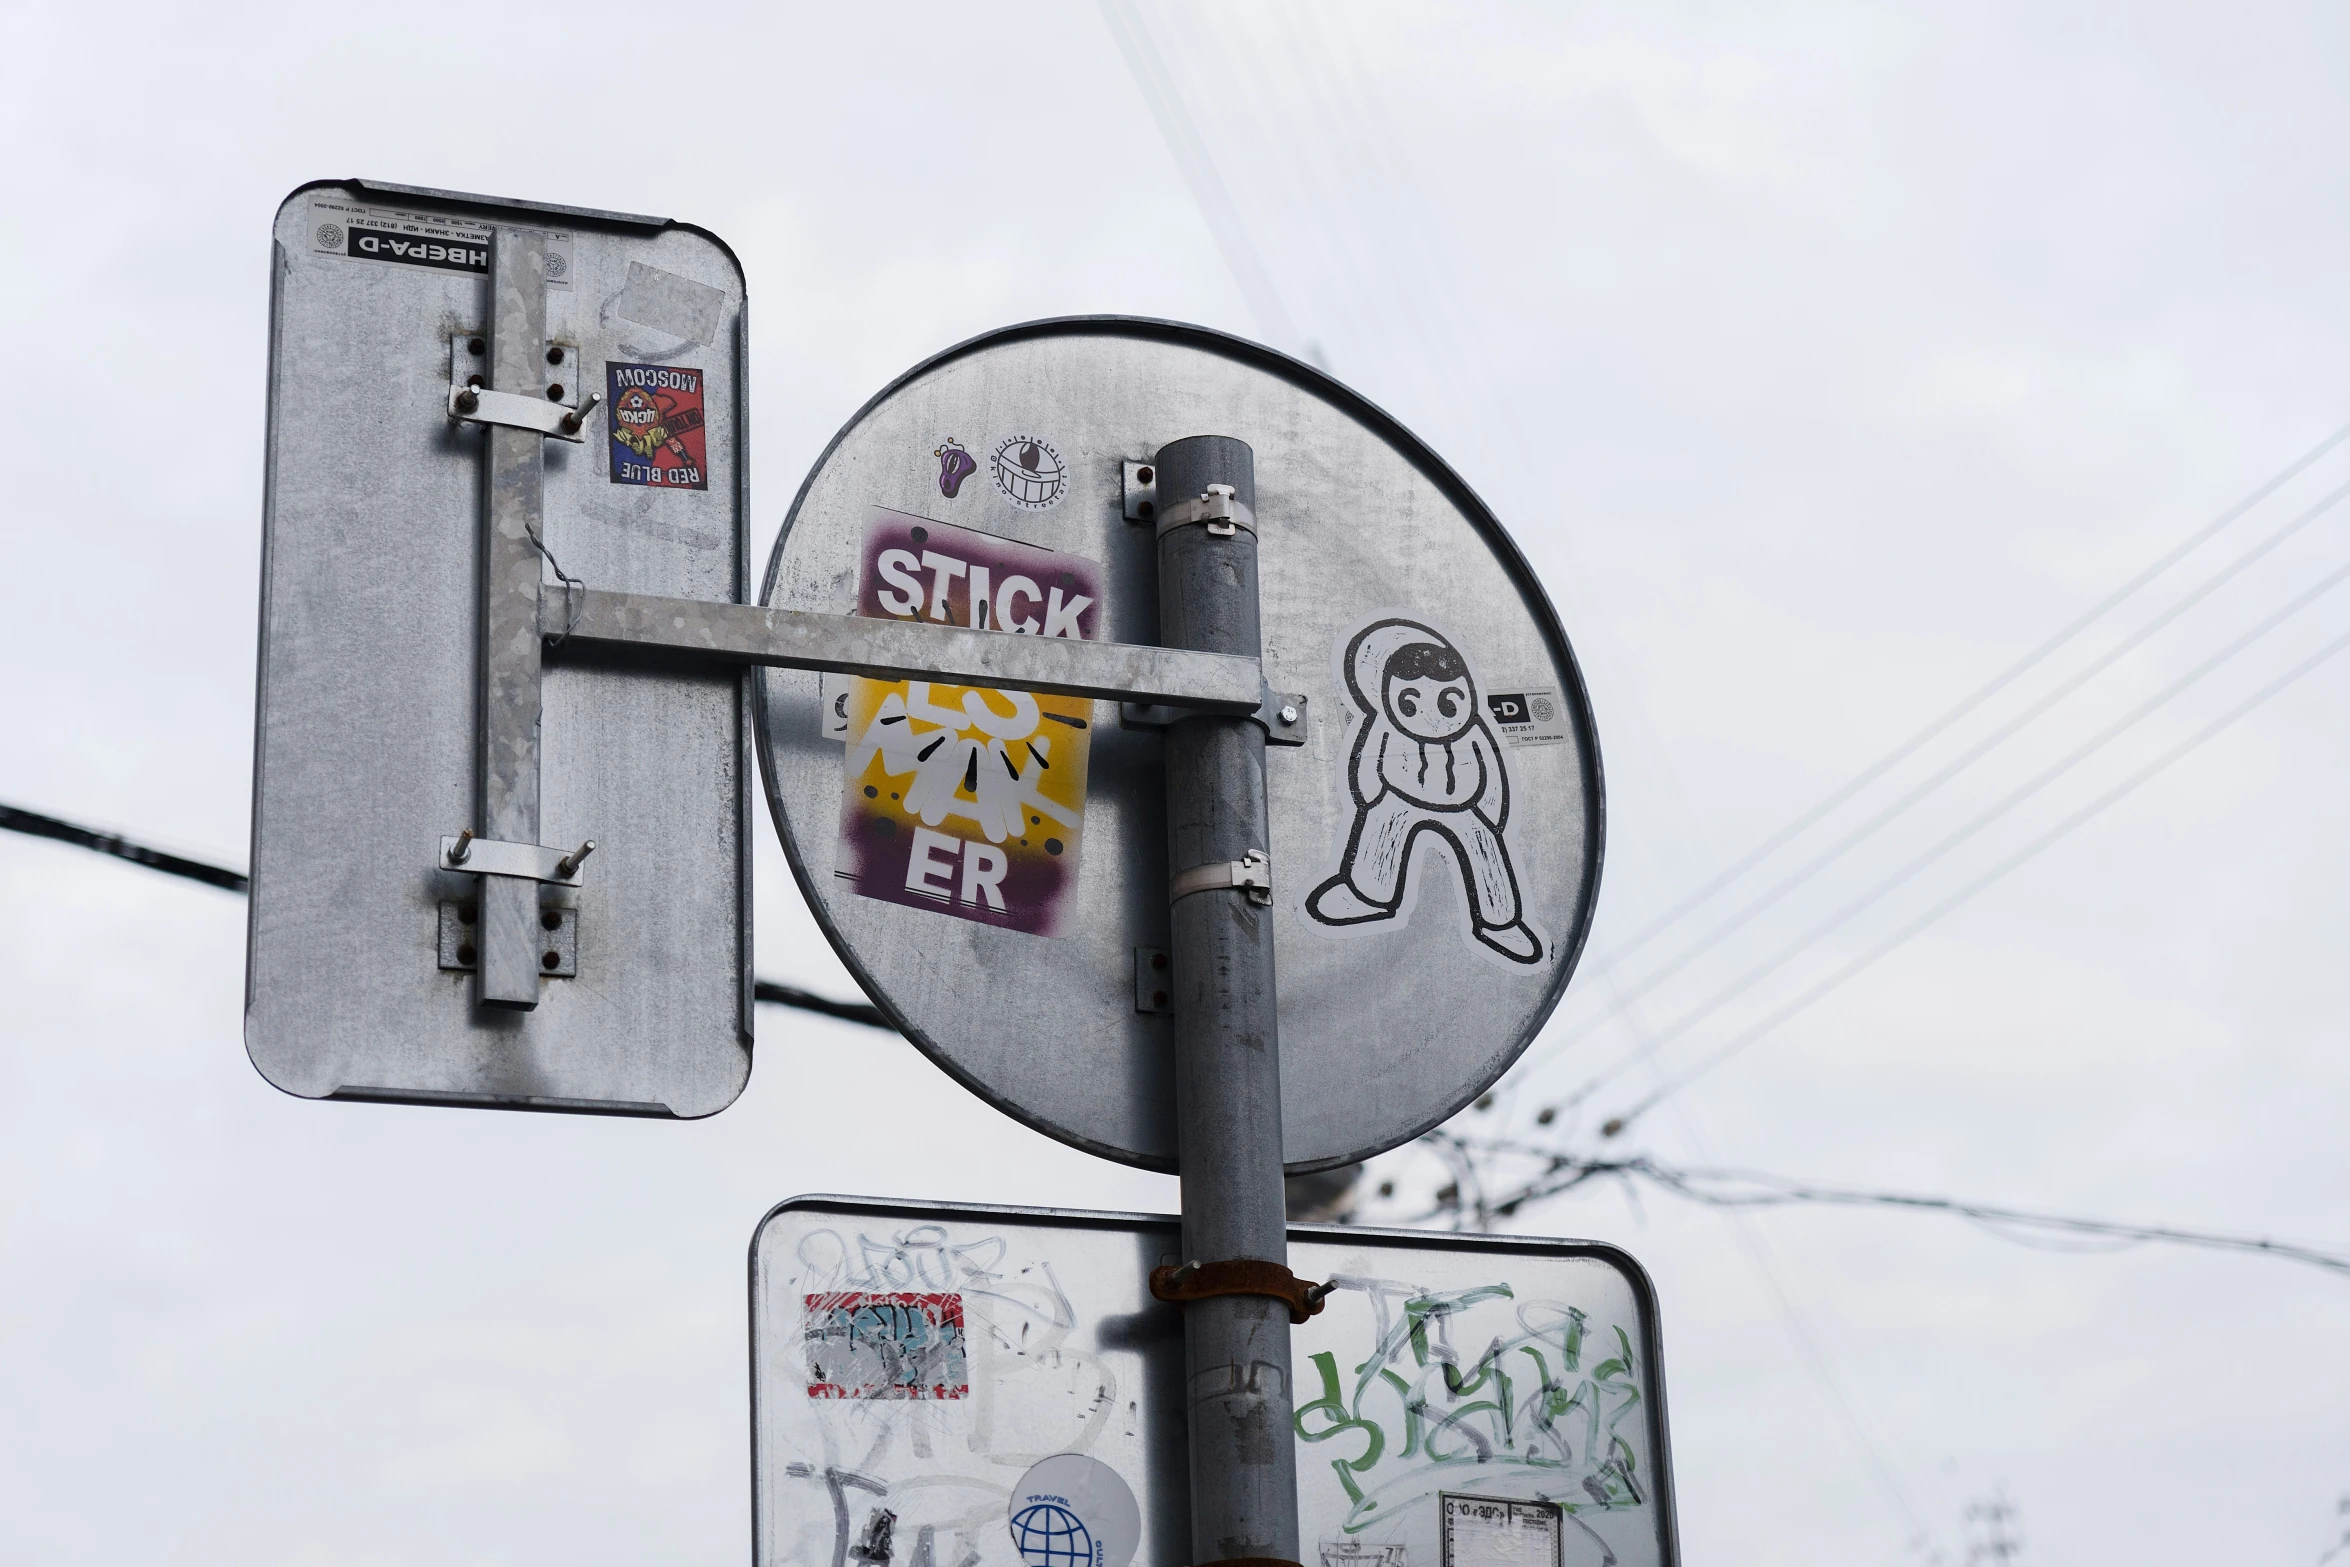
1825,360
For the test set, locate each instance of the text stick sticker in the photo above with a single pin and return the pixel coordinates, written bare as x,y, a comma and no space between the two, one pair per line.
966,800
1073,1511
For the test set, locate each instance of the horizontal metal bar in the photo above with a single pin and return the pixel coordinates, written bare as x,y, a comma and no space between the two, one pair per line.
904,649
497,857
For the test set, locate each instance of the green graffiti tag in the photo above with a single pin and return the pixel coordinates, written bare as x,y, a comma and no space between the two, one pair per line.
1421,1414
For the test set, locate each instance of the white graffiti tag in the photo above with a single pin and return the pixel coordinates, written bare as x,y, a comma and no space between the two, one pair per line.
997,758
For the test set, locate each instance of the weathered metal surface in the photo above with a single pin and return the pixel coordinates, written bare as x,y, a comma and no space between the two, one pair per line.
898,650
1388,1024
516,474
1469,1366
371,685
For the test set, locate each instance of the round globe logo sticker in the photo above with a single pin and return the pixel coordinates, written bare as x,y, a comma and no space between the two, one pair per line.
1029,472
1074,1511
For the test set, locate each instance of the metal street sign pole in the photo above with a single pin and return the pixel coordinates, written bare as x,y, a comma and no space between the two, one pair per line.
510,649
1227,1044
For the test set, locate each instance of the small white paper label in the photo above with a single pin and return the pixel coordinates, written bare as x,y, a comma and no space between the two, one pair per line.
832,704
1527,715
1492,1531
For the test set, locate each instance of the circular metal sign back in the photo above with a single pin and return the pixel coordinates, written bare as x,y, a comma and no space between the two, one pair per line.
993,866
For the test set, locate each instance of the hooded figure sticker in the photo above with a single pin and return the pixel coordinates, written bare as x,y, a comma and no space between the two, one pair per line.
1424,769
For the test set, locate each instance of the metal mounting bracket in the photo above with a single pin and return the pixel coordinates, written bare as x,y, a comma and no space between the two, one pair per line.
530,861
1142,491
481,405
1252,873
1281,713
558,939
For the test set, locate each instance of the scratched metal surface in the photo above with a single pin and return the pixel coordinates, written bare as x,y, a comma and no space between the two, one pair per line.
364,753
1382,1034
1480,1365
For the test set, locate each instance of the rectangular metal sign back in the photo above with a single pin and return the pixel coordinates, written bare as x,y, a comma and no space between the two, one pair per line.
922,1374
625,981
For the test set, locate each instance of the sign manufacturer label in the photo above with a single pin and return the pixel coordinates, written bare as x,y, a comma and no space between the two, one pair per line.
966,800
417,239
1528,715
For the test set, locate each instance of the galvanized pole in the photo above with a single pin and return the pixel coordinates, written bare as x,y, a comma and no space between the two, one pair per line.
515,489
1227,1054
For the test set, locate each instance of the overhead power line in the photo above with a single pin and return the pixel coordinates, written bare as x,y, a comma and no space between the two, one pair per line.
16,819
1198,166
1980,821
1772,1021
1984,693
1755,1189
1997,737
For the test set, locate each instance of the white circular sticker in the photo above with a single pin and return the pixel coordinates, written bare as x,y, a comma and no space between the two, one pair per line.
1073,1511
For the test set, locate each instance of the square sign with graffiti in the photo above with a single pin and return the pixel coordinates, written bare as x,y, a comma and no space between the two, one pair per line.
967,800
1460,1400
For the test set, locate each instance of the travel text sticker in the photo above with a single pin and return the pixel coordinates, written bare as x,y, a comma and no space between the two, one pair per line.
1073,1511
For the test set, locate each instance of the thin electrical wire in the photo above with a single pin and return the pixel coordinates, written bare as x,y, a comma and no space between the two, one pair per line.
1647,1043
1757,1189
34,824
1810,1348
1833,982
1975,699
1714,938
1198,166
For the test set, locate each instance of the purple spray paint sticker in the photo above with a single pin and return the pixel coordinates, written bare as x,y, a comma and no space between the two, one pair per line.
968,800
954,466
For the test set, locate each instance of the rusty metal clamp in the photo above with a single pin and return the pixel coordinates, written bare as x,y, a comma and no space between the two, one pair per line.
1242,1276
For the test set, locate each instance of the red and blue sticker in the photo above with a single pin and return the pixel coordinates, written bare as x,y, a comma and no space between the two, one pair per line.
656,423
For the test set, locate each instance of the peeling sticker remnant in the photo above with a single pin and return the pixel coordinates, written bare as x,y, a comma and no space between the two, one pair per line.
1492,1531
967,800
866,1345
1362,1553
656,422
668,303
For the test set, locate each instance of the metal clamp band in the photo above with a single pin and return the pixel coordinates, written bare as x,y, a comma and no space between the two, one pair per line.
1242,1276
1252,873
480,405
1216,508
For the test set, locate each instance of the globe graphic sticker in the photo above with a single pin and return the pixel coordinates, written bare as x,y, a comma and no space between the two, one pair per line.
1074,1511
1029,472
1049,1535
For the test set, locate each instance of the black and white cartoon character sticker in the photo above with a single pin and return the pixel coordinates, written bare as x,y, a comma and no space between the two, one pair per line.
1425,765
